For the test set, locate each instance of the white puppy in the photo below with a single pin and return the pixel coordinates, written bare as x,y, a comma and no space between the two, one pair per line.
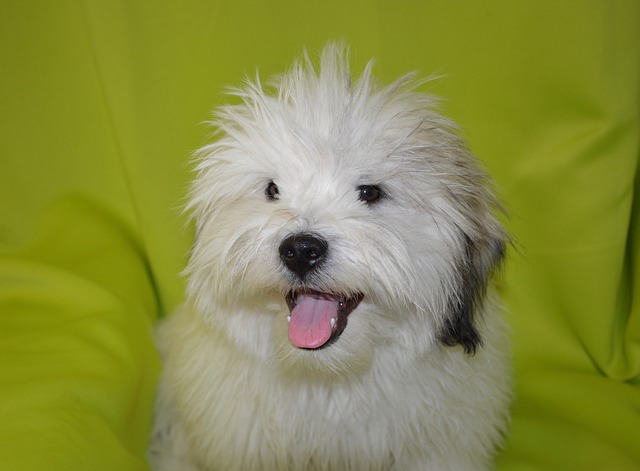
336,314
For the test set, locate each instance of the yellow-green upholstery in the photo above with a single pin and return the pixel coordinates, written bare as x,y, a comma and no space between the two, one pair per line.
101,106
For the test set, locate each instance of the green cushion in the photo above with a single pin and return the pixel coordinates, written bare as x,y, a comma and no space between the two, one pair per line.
103,103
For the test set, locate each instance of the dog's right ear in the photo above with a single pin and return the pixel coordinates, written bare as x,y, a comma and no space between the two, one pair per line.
479,261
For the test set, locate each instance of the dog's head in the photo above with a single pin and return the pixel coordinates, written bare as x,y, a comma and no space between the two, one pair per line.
342,215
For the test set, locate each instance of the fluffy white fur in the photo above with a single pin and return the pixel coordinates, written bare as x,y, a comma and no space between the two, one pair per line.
419,379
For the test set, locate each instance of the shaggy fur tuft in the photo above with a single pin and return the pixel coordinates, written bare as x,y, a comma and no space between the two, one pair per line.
339,314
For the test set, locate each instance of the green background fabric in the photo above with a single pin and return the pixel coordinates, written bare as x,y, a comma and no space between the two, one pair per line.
102,104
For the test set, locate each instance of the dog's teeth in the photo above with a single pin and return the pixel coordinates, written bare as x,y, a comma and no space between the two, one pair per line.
332,322
288,318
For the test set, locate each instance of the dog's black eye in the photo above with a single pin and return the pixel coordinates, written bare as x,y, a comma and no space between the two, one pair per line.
271,191
369,193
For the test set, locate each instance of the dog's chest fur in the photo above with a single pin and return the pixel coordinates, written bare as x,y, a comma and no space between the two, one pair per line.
244,413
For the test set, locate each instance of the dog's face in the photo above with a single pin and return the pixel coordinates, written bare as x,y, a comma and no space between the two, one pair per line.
337,218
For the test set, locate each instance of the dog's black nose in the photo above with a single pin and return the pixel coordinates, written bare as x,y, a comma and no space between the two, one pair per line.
302,253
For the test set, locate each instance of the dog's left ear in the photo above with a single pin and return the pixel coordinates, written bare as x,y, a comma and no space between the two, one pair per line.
479,261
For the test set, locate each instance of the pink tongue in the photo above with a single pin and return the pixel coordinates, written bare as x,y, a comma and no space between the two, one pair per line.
310,325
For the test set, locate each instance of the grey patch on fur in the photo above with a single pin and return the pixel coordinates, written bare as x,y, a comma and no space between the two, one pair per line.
459,327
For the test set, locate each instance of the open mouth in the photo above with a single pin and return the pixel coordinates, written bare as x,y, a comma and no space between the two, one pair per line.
317,319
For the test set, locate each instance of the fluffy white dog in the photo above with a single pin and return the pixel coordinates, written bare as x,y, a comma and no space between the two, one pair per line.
337,314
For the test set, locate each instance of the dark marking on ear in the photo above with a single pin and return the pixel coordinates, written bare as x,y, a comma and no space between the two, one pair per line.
459,329
479,261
